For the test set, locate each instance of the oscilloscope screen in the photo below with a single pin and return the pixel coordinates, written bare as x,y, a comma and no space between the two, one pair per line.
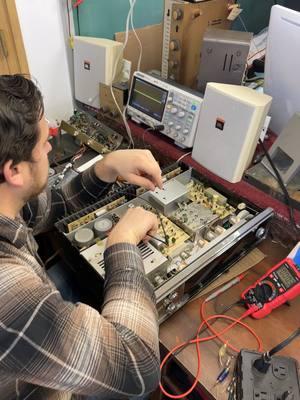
148,98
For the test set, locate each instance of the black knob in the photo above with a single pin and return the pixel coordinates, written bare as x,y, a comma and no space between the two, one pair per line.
264,292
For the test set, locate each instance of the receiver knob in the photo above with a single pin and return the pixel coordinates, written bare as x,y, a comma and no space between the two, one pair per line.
174,45
173,64
177,14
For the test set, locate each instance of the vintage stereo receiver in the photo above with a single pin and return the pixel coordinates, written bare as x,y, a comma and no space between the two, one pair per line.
205,231
164,106
184,26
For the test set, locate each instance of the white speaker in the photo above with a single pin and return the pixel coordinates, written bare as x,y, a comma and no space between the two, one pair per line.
94,62
230,123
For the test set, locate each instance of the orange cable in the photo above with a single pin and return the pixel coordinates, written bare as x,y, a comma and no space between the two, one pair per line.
216,335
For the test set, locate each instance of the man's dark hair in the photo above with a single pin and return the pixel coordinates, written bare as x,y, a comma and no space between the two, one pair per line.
21,109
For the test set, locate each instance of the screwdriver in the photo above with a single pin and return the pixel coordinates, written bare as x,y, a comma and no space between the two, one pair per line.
222,376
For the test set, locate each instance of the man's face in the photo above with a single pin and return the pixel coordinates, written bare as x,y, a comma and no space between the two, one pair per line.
39,166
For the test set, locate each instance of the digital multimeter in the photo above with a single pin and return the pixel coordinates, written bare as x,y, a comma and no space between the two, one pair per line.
279,285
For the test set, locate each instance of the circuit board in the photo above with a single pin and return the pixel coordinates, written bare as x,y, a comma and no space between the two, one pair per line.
92,132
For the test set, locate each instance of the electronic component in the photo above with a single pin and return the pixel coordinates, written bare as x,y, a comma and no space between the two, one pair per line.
92,132
224,56
199,237
280,382
154,102
279,285
84,237
184,27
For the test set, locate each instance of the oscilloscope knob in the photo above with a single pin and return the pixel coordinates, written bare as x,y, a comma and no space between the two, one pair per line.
177,14
174,45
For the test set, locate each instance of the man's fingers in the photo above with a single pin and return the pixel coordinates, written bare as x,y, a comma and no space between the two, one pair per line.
152,171
141,181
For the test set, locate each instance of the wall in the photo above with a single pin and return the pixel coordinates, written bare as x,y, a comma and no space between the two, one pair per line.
255,15
44,29
102,18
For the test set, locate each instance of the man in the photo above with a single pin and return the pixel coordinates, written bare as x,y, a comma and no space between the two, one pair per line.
50,348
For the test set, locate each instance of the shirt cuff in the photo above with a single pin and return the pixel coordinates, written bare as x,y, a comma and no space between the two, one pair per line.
123,256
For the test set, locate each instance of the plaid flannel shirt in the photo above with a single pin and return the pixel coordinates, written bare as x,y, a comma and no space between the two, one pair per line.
53,349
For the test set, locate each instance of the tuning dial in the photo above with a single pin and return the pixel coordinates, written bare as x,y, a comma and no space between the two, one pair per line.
173,64
177,14
265,291
174,45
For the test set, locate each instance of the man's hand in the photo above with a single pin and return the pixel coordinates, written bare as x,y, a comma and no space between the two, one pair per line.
133,227
134,166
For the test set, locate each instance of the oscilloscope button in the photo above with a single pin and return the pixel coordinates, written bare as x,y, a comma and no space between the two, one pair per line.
181,114
178,127
173,110
171,123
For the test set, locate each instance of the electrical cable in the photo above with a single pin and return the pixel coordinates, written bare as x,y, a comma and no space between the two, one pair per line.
216,335
78,21
123,113
284,343
151,128
283,188
263,363
68,16
137,37
184,155
226,309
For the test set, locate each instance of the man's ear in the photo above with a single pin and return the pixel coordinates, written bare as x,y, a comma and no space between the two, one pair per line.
13,174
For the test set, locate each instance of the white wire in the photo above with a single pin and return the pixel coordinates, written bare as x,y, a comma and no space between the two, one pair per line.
132,2
184,155
123,114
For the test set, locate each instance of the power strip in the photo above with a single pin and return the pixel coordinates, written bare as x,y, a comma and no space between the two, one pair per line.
280,382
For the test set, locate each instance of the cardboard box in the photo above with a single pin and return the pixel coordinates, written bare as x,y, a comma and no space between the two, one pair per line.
151,39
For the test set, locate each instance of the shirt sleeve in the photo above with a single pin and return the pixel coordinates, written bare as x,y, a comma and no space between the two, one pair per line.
52,204
49,342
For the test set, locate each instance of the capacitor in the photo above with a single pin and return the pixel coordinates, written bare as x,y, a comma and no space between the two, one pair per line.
233,219
243,214
158,280
103,226
219,230
210,236
84,237
201,242
241,206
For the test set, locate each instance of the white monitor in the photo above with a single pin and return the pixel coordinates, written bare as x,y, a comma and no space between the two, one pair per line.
282,67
